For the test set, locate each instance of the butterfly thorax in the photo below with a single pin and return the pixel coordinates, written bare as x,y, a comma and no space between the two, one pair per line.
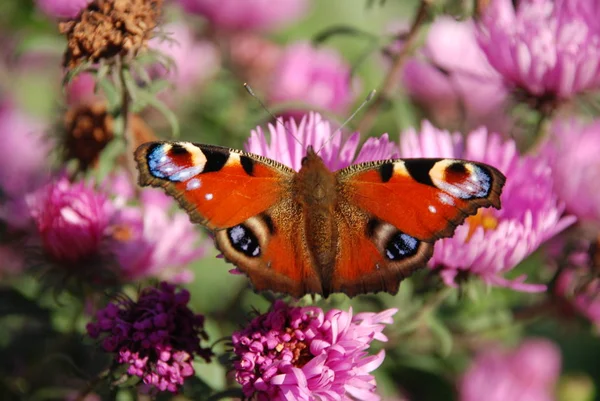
315,191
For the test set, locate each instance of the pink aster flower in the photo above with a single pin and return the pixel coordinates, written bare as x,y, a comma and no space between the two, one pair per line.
153,239
288,144
157,336
317,77
573,150
248,14
72,220
195,61
528,373
302,353
494,241
546,48
62,8
452,78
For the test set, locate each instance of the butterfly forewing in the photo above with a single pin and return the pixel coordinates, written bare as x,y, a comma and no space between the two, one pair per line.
424,198
219,187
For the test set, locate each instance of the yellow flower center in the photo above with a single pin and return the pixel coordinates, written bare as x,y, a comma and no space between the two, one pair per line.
484,218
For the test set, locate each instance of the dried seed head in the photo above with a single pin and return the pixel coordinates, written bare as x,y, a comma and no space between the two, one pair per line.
89,128
109,28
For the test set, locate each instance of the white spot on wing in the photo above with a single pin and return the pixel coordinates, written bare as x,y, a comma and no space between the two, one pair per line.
446,199
432,209
208,196
194,183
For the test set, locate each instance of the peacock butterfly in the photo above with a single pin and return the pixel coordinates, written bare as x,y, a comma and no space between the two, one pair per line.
357,230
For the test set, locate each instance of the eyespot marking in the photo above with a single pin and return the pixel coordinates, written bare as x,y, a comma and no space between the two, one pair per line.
401,246
243,240
462,180
175,162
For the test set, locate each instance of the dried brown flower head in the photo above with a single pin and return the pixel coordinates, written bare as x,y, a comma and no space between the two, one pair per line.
89,127
109,28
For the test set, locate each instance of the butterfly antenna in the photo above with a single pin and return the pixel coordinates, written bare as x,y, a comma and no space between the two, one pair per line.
251,92
359,108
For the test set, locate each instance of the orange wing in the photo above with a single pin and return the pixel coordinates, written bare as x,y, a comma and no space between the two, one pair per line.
246,200
219,187
390,212
424,198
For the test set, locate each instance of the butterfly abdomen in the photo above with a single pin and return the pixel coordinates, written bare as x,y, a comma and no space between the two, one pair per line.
315,190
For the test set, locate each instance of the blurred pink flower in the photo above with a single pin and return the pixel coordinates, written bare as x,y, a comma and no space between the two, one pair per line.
62,8
81,89
24,165
72,220
302,353
582,291
156,336
578,284
195,61
317,77
549,49
573,149
452,78
153,239
288,146
247,14
494,241
528,373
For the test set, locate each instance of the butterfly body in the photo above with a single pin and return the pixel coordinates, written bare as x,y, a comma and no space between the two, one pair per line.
357,230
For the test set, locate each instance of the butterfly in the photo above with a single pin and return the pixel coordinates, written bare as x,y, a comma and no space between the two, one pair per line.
361,229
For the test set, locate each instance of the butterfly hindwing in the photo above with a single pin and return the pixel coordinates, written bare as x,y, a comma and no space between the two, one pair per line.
374,255
423,198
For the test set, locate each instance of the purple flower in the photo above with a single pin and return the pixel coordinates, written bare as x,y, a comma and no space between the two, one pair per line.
72,220
317,77
288,145
494,241
549,49
152,239
453,79
528,373
157,337
248,14
302,353
573,150
195,61
62,8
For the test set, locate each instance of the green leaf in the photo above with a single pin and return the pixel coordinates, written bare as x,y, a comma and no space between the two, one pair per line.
442,335
151,100
108,157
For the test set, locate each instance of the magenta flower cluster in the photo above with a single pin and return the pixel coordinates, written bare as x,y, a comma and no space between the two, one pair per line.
156,337
303,353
